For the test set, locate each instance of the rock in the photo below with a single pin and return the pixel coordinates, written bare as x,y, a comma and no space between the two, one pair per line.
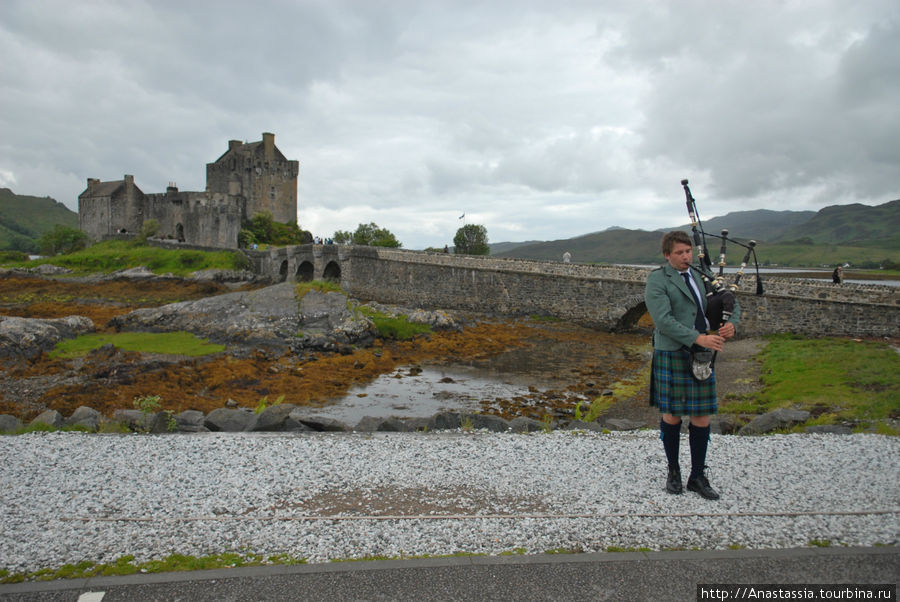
136,273
85,417
278,418
835,429
230,421
222,276
159,422
26,338
487,422
623,424
191,421
580,425
443,421
9,424
319,424
722,424
328,324
372,423
49,417
133,419
776,419
141,422
48,269
265,318
521,424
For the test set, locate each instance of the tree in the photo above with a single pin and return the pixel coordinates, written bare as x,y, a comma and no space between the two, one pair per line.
367,234
263,229
62,239
471,239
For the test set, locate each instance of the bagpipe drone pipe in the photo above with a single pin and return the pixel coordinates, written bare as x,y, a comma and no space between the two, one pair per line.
720,297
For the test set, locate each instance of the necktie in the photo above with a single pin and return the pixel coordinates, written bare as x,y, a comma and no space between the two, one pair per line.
699,318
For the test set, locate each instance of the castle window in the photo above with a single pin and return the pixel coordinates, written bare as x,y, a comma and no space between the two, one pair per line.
272,193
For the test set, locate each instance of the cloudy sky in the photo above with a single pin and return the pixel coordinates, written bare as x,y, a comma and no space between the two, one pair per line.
540,120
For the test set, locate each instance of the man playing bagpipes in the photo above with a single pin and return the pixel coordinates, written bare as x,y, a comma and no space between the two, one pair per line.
693,314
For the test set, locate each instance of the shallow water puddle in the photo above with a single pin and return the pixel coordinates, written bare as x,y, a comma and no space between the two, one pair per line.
414,392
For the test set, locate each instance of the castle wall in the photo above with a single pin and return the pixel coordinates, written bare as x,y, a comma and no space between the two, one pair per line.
94,216
196,217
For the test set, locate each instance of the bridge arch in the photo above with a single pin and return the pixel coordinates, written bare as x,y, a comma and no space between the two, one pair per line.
631,317
305,271
283,271
332,271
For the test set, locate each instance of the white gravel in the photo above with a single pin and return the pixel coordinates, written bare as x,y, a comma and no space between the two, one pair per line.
69,497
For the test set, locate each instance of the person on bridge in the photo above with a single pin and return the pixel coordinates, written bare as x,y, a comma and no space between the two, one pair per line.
675,303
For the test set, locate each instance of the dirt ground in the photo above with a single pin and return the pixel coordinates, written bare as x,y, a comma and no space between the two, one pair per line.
578,362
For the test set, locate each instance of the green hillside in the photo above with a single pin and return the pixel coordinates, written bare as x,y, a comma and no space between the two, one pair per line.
760,224
851,224
861,235
24,219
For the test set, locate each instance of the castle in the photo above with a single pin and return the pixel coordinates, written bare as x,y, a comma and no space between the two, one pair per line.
249,178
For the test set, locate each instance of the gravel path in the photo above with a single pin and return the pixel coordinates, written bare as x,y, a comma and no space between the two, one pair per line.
68,497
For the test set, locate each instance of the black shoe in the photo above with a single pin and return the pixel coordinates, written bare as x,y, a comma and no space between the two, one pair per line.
701,485
673,481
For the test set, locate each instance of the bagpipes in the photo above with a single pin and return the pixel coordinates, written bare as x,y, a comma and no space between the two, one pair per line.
719,296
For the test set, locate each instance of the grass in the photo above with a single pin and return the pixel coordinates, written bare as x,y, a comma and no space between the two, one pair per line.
113,255
395,327
171,343
835,379
323,286
126,566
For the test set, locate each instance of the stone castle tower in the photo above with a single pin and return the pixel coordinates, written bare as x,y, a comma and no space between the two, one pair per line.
258,172
248,179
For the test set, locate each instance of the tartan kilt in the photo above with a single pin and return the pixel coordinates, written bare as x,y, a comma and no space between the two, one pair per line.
674,390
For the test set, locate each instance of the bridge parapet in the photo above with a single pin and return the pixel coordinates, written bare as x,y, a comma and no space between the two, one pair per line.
606,297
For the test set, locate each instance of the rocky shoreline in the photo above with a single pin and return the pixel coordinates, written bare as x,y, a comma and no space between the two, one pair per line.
270,321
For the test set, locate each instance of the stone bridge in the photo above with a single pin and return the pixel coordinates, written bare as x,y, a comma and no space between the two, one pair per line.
605,297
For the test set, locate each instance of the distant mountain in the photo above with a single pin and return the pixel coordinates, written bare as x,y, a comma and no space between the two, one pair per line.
858,226
610,246
24,219
759,224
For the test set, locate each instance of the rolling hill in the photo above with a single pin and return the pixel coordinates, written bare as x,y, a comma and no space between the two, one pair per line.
24,219
855,233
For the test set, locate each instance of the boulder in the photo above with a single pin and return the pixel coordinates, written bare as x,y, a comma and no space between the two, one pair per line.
48,269
191,421
623,424
580,425
327,323
317,423
229,420
9,424
133,419
443,421
264,318
85,417
521,424
278,418
777,419
27,338
487,422
373,423
142,422
51,418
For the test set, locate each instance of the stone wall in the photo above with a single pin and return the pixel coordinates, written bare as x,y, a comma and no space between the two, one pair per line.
606,297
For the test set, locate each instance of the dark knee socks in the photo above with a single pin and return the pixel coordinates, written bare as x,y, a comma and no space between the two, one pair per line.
670,433
699,440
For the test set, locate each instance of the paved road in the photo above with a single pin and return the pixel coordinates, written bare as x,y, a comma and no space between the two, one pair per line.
601,576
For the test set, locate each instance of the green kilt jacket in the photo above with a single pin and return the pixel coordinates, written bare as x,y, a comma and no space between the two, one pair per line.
673,388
